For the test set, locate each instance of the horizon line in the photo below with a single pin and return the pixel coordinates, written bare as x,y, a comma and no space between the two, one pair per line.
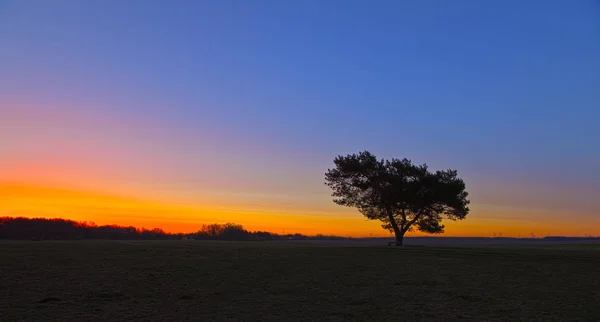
86,222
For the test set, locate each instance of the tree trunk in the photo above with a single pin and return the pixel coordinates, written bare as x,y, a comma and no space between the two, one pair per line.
397,231
400,237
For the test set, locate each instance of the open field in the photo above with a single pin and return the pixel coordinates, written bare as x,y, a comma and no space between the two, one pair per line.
280,281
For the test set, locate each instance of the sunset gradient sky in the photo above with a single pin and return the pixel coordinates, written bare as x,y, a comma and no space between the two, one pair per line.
173,114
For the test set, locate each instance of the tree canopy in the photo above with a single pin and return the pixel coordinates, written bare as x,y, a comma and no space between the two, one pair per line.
402,195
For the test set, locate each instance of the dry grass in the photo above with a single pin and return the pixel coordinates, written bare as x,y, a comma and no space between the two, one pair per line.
187,280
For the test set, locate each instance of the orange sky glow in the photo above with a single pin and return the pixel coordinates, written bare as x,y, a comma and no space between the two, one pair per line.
103,208
71,163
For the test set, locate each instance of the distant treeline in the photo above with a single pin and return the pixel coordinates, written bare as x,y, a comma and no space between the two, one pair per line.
64,229
565,238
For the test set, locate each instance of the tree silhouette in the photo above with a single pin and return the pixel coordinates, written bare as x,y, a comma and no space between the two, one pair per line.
64,229
400,194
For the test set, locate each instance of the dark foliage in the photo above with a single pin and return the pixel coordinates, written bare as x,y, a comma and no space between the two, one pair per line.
64,229
402,195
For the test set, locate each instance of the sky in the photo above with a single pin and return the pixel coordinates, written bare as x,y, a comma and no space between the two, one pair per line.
175,114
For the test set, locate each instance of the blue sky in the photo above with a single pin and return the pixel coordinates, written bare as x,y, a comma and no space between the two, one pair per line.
508,92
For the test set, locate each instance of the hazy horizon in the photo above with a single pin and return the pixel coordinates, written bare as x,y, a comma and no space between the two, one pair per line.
176,114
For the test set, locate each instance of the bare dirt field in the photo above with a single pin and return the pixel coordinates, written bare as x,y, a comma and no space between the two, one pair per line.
299,281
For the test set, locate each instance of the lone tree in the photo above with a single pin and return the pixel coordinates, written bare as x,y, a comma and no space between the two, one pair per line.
402,195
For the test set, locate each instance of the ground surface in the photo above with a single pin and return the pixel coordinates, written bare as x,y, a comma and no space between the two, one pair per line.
281,281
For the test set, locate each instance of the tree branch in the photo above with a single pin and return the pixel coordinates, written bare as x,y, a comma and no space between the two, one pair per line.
417,217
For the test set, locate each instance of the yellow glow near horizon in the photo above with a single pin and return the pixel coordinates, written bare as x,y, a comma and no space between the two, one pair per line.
36,201
29,200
